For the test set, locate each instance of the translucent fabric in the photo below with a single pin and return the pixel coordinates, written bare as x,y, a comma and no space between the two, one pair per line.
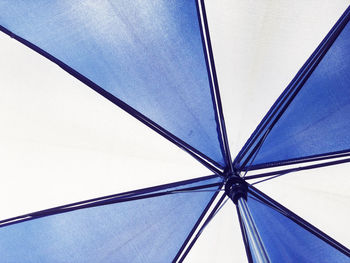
143,229
284,240
258,49
316,121
149,55
153,60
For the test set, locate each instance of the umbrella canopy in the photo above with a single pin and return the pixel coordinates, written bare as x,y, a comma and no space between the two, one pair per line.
156,62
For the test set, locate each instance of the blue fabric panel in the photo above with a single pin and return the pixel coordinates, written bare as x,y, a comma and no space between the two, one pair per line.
146,230
317,120
148,54
286,241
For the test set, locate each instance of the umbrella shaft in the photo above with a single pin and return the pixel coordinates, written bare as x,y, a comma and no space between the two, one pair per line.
255,244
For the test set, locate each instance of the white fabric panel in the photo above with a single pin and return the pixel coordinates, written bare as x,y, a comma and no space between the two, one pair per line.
320,196
221,240
61,142
259,46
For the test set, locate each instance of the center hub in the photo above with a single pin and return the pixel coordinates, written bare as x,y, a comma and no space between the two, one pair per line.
235,188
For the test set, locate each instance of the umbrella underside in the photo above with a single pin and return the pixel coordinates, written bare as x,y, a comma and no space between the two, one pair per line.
155,61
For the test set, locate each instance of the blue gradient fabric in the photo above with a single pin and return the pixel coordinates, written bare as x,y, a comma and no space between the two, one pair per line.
148,54
286,241
316,122
151,229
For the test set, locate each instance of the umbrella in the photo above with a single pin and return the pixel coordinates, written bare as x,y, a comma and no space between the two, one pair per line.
157,94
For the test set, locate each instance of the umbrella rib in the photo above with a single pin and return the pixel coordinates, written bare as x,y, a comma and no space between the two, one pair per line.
267,179
202,158
258,146
118,198
213,81
297,83
212,214
313,158
296,169
298,220
262,125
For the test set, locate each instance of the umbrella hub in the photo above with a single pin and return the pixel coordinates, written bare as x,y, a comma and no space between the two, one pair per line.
235,188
